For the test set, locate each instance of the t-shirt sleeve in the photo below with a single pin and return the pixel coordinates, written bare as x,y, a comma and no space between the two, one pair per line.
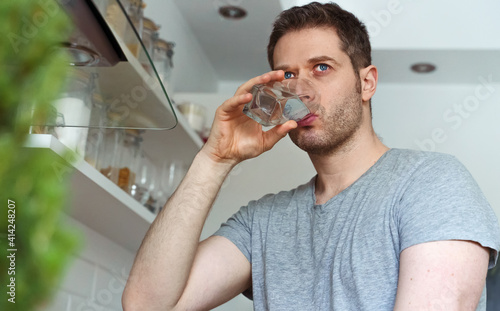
443,202
238,230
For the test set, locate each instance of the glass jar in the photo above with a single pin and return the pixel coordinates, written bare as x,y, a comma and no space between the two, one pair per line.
129,158
50,123
168,179
194,114
162,59
95,137
107,157
149,36
135,13
74,108
93,146
144,183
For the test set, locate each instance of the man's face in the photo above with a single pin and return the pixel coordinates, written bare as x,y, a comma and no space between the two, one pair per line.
315,54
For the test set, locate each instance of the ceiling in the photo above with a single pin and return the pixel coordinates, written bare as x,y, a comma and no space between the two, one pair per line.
236,49
459,37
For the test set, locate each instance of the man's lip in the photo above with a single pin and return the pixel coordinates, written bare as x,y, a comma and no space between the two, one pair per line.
307,120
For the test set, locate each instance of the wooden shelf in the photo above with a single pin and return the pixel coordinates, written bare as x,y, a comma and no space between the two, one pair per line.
98,202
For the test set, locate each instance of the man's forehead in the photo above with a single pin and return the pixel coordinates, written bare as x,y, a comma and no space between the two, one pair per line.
307,46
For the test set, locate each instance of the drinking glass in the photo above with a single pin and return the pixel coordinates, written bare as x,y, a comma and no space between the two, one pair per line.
277,102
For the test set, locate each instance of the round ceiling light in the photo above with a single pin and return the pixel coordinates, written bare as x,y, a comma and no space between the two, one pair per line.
232,12
423,67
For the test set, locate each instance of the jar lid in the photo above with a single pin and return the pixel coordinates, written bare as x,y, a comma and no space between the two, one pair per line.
134,132
138,3
150,24
164,45
97,97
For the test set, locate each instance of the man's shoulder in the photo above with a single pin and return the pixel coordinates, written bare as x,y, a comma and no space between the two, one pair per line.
420,155
419,159
433,170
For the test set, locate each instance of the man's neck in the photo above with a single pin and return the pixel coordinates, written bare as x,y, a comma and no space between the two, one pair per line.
339,170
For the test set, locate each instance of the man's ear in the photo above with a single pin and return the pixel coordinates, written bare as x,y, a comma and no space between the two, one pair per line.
369,78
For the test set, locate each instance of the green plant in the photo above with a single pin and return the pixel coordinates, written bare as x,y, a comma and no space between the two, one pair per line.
33,71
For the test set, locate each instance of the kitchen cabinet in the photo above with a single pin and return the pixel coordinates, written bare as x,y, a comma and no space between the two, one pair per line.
95,200
103,206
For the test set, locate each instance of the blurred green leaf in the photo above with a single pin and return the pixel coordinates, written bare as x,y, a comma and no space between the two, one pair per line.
33,72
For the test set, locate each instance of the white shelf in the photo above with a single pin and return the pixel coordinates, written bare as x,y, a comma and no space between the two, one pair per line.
96,201
99,203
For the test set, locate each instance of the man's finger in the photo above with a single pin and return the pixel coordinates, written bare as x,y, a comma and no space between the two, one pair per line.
246,87
235,102
272,136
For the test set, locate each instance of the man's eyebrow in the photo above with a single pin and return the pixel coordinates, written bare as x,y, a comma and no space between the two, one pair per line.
323,58
313,60
283,67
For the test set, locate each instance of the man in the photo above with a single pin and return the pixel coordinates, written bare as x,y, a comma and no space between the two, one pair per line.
376,229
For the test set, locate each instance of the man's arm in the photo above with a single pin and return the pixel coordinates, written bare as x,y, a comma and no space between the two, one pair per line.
441,275
172,270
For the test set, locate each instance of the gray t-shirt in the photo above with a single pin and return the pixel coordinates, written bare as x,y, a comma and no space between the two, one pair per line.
344,254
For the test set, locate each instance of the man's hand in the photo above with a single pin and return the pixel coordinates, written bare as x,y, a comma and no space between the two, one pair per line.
234,136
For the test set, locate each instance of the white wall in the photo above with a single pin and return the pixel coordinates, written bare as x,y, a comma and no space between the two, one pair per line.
457,119
96,276
444,24
192,71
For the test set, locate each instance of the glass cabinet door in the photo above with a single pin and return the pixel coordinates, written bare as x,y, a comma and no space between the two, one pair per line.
111,81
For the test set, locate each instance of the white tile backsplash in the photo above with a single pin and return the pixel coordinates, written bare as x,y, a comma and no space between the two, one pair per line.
61,301
96,277
87,304
102,250
109,288
79,279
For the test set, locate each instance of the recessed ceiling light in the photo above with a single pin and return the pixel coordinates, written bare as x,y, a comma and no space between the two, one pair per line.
423,67
232,12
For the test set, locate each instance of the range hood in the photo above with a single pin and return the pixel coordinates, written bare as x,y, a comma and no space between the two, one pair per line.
92,42
126,89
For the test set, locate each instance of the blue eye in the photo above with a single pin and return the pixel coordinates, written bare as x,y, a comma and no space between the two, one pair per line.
288,75
322,67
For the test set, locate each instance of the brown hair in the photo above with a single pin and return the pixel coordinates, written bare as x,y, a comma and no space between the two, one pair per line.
351,31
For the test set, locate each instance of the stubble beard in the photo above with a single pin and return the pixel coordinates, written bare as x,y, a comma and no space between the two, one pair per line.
339,127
